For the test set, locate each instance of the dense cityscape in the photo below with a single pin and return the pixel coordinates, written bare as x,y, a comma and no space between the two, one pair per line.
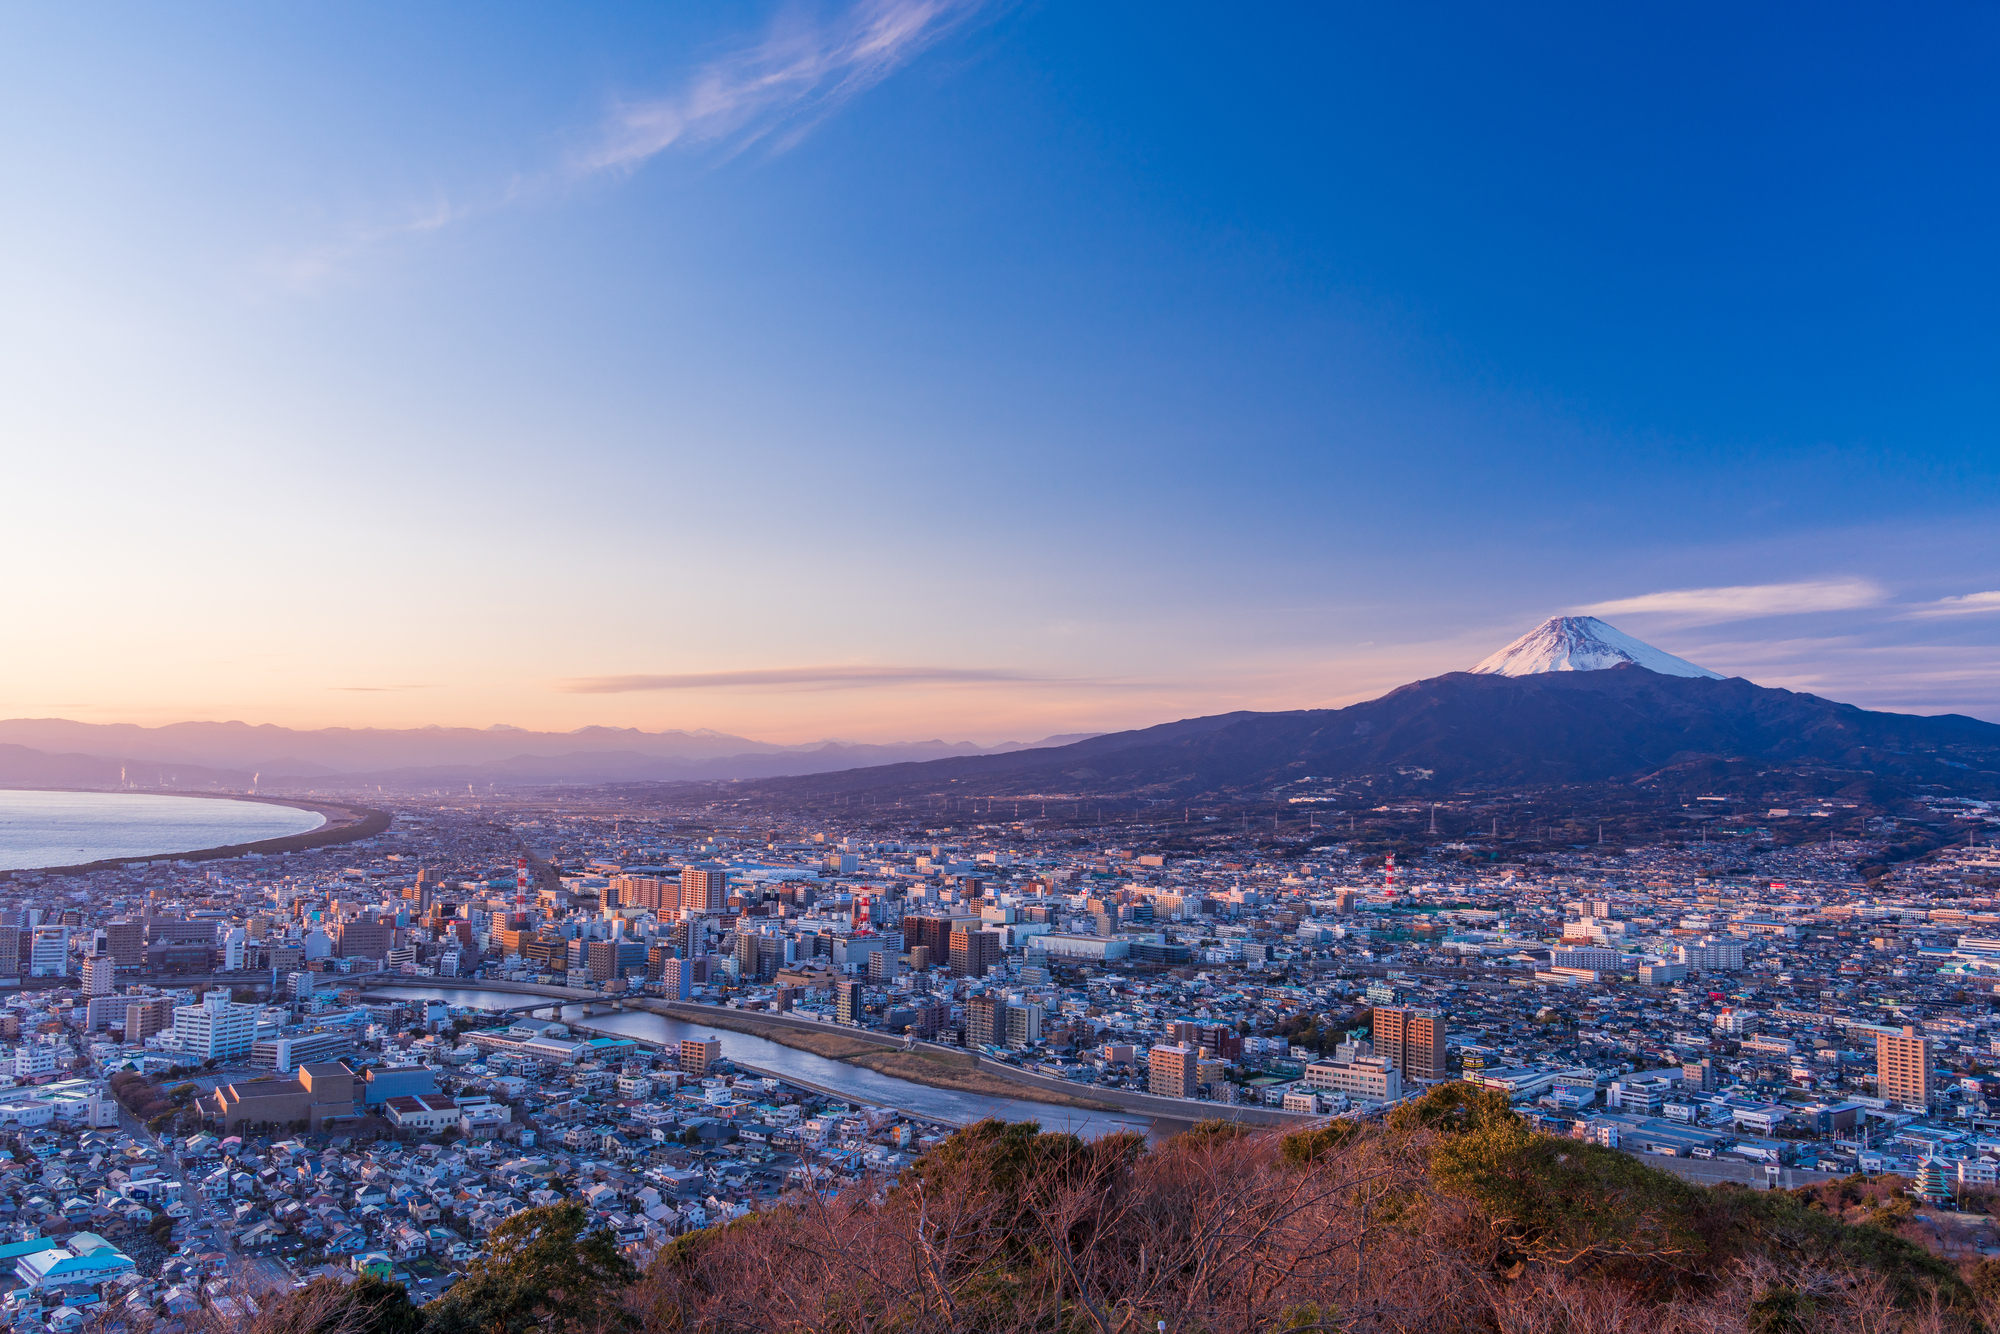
232,1074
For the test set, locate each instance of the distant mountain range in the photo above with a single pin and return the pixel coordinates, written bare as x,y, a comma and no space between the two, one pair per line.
59,753
1573,701
1564,704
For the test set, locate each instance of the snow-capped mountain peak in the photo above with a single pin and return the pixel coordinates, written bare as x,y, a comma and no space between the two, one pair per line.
1583,644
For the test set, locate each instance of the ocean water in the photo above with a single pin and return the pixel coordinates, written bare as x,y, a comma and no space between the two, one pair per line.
65,828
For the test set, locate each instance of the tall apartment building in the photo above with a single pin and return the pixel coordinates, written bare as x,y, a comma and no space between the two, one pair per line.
1903,1068
98,972
1172,1071
1412,1040
973,952
10,950
847,1001
932,1015
698,1054
215,1030
985,1017
677,978
143,1018
929,932
704,888
1024,1025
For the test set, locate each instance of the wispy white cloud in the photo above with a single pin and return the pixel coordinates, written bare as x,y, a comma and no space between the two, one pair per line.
1745,601
310,268
795,678
1968,604
771,92
838,677
778,89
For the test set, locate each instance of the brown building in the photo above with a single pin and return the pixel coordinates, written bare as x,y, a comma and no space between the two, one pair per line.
663,897
323,1092
928,932
127,943
143,1018
985,1022
1412,1040
366,940
704,888
1903,1068
698,1054
807,977
973,952
1173,1071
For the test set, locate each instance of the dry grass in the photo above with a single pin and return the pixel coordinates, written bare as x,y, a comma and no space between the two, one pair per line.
947,1072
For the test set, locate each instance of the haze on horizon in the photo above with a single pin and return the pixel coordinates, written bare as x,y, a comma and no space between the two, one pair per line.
929,368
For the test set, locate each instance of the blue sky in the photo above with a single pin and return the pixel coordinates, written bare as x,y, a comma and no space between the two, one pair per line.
923,368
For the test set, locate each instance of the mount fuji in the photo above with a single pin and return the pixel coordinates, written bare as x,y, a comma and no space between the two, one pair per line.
1574,701
1582,644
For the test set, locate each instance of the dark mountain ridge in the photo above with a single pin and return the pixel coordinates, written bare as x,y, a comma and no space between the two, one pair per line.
1462,729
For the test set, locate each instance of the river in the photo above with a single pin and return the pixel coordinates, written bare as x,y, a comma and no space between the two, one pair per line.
862,1084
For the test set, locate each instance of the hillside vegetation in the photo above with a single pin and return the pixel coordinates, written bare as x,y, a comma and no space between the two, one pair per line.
1455,1216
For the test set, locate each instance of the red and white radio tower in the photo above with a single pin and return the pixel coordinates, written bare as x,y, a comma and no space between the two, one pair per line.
1389,882
521,890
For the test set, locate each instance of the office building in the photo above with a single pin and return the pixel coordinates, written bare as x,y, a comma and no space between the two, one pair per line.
366,940
286,1054
49,948
1903,1068
127,943
215,1030
1368,1079
1412,1041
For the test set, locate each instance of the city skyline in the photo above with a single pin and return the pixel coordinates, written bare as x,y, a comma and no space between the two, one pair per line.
986,372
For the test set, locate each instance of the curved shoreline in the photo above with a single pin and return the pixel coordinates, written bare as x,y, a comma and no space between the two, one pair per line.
345,823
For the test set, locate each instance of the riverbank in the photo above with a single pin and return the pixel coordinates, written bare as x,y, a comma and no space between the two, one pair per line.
959,1072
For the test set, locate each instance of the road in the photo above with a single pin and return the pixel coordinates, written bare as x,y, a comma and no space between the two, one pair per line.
202,1221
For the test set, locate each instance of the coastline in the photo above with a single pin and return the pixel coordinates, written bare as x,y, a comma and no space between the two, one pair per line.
957,1073
345,823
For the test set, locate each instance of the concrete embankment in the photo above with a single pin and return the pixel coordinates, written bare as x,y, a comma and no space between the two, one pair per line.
1029,1081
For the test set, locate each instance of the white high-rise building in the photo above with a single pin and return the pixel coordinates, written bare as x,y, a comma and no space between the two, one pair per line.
215,1030
49,956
